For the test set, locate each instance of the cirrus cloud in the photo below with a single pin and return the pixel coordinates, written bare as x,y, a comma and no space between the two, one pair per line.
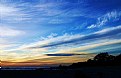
10,32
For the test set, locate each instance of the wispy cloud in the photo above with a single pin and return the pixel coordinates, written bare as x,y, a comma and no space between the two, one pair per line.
106,30
70,40
78,39
14,11
10,32
53,40
5,46
109,17
67,44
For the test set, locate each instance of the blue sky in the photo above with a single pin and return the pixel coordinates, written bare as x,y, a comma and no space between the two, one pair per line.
34,29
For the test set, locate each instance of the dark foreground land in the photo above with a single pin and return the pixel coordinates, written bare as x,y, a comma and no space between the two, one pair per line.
102,65
85,72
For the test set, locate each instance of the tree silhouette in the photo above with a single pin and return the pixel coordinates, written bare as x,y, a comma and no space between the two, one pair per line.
89,60
118,58
102,57
111,58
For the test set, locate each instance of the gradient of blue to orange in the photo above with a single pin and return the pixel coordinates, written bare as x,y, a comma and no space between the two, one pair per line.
52,32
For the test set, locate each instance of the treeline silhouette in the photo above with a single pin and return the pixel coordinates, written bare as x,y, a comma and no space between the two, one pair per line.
101,59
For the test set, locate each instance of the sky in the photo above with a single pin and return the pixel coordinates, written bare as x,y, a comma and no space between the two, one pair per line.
51,32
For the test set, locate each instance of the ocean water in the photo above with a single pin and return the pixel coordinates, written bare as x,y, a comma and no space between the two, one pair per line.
22,68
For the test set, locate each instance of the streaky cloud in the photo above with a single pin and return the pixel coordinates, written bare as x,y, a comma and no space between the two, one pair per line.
10,32
64,54
112,31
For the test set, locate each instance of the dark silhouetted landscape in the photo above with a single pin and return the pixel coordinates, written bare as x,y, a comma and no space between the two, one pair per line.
102,65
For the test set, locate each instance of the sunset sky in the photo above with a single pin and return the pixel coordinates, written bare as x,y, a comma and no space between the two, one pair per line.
44,32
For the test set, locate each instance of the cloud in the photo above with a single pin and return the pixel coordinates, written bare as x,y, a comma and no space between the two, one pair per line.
63,54
36,50
2,41
4,46
73,52
109,17
93,47
50,12
108,30
13,12
79,39
10,32
69,44
60,21
99,46
59,11
49,8
48,42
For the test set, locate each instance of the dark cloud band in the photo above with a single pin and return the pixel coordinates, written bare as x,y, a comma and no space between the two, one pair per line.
61,54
